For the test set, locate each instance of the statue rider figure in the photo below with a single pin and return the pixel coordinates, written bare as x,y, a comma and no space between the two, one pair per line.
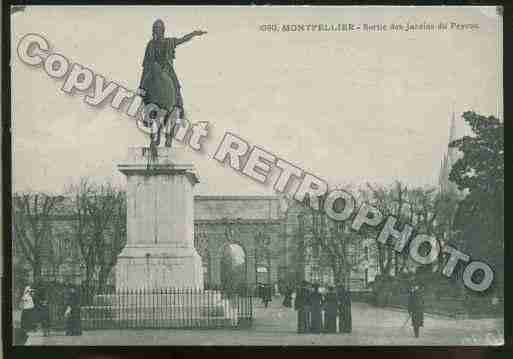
159,84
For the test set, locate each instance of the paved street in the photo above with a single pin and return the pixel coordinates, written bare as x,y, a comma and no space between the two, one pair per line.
277,326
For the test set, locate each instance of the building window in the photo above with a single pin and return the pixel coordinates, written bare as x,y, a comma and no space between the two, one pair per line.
366,253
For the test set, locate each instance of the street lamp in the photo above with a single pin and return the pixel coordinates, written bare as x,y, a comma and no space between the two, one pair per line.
300,258
201,245
318,231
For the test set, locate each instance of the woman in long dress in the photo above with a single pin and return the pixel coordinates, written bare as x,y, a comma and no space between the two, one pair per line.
287,300
159,84
331,307
344,310
316,316
27,313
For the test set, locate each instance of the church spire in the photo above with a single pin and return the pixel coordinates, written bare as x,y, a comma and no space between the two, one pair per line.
450,158
452,152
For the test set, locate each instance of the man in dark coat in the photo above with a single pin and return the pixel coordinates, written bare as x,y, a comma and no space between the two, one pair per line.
302,306
330,311
416,307
43,311
287,300
344,310
72,313
258,290
316,315
28,310
267,294
261,292
308,306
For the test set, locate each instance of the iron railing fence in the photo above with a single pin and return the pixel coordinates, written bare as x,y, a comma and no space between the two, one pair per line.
156,308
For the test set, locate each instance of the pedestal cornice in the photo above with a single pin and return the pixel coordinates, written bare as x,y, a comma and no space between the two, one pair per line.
168,161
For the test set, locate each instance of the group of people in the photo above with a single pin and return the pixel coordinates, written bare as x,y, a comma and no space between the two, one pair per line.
331,312
35,312
317,312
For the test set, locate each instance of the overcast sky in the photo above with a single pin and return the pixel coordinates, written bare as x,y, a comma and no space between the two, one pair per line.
346,106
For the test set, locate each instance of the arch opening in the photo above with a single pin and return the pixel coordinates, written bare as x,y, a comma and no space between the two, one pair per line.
233,268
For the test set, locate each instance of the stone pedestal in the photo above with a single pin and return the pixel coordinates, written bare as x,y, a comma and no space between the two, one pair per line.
159,252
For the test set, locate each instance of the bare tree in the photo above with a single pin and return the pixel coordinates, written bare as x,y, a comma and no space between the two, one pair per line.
99,229
33,229
391,201
327,242
59,249
435,214
429,211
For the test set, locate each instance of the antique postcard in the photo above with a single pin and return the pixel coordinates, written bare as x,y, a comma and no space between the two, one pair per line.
264,175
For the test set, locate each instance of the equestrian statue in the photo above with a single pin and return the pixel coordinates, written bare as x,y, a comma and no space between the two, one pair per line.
159,84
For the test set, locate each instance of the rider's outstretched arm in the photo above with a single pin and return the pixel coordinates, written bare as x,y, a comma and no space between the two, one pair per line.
181,40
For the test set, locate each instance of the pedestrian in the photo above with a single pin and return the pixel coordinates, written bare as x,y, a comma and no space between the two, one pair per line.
72,313
38,294
300,304
330,310
287,300
344,310
297,295
316,315
308,306
267,295
27,312
416,307
44,315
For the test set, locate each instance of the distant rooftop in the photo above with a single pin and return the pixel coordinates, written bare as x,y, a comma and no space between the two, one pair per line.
212,207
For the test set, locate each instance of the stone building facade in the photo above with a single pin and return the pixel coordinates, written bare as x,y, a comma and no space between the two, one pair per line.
265,227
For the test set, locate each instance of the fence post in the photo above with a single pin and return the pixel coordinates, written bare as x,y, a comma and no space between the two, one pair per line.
188,306
184,302
208,307
153,320
137,307
125,306
166,308
176,322
117,316
194,307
